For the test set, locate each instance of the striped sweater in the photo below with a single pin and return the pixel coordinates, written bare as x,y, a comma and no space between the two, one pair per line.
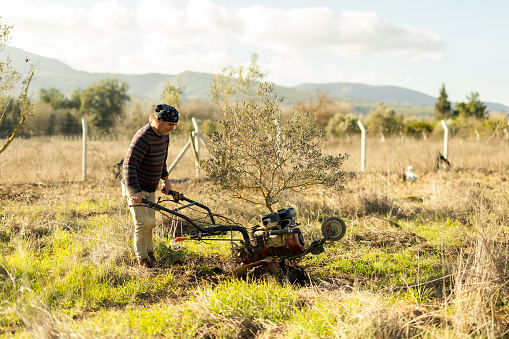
145,162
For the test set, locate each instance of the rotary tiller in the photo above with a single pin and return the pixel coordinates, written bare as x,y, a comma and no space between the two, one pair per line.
268,248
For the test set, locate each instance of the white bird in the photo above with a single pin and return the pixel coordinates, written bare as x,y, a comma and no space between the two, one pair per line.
410,174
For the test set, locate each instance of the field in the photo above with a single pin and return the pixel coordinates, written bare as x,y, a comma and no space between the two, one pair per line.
425,259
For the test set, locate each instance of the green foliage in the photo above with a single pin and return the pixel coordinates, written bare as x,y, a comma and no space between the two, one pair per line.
342,124
473,108
57,99
443,109
155,320
74,101
418,127
383,120
394,268
494,123
256,155
253,300
52,96
104,102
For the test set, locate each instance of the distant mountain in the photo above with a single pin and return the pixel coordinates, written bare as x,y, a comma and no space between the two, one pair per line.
54,73
372,93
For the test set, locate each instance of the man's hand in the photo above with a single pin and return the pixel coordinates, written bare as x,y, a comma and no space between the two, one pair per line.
136,198
166,186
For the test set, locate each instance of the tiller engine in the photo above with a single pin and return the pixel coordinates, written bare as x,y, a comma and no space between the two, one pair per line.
269,248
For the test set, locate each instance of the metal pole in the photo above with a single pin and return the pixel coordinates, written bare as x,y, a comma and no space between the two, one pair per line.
363,145
196,135
446,140
85,129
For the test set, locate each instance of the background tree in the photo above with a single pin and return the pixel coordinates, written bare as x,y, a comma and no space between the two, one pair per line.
342,124
11,81
416,127
52,96
172,95
235,84
69,124
473,108
74,100
443,110
383,120
323,107
56,115
104,102
57,100
256,158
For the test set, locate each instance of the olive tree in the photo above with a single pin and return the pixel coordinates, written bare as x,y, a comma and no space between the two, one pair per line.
172,95
256,156
236,83
11,81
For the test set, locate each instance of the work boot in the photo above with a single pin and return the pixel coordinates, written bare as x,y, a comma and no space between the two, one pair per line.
152,258
145,262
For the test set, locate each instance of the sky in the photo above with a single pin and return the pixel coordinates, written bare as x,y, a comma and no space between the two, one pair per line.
419,45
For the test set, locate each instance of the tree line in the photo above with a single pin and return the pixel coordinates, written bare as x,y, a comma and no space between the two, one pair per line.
105,104
102,103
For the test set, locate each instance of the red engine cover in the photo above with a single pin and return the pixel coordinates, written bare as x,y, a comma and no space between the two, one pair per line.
246,259
294,244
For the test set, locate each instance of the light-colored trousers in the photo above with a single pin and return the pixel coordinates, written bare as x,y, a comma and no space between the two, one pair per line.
144,221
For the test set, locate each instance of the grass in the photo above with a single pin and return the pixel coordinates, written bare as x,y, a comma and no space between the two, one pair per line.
419,260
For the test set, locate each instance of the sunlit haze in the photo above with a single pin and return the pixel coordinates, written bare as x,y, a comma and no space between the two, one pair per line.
413,44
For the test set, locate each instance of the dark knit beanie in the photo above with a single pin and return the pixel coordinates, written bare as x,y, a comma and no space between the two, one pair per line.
167,113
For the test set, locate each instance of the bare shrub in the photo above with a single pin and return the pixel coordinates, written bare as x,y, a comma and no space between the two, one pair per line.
374,203
323,107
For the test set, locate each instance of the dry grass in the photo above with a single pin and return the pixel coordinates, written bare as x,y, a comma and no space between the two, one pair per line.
425,259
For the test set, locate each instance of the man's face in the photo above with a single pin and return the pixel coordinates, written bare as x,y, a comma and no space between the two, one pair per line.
164,127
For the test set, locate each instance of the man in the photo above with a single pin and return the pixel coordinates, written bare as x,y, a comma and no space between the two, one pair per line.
144,166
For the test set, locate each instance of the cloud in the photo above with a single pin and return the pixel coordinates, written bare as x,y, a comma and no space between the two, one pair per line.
72,34
200,24
161,36
112,17
349,34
